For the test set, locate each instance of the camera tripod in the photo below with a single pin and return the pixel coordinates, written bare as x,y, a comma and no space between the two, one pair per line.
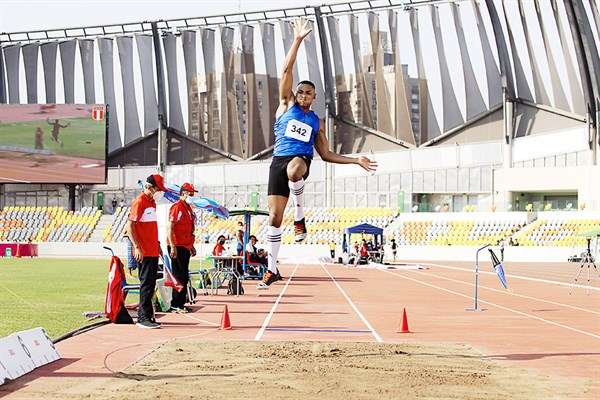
588,261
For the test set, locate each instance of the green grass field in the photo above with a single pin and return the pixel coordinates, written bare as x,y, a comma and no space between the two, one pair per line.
84,137
50,293
53,293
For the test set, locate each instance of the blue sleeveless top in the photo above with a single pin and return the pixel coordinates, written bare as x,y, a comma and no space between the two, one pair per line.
295,132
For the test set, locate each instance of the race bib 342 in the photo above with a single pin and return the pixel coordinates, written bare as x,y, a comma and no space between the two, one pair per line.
298,130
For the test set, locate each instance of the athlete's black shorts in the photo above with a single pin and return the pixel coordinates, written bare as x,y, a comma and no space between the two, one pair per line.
278,178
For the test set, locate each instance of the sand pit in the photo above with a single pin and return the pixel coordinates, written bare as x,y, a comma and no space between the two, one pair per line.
191,369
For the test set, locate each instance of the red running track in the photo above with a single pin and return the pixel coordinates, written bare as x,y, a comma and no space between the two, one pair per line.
539,326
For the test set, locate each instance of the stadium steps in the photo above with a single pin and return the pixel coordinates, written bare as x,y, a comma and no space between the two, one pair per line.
104,221
391,229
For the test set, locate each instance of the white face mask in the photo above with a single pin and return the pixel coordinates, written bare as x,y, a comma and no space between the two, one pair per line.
189,200
158,195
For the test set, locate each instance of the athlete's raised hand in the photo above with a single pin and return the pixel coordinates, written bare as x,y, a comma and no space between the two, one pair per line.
367,164
301,29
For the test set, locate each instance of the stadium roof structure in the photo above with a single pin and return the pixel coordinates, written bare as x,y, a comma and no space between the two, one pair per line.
433,72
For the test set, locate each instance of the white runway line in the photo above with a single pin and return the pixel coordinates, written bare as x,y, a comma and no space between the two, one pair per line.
495,305
362,317
512,293
13,180
201,320
526,278
264,325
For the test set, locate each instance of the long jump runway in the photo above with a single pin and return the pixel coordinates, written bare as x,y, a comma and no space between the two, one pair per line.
538,326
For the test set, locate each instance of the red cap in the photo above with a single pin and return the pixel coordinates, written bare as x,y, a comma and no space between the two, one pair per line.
189,187
157,180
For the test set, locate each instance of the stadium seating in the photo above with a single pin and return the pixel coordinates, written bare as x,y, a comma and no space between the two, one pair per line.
557,232
323,224
211,227
436,231
114,231
47,224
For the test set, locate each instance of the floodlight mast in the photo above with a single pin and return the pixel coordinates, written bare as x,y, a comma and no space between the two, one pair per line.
162,117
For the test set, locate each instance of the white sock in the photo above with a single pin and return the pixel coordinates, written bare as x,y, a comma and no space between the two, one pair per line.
273,244
297,193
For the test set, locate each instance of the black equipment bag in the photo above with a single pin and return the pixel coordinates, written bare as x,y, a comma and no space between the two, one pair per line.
232,287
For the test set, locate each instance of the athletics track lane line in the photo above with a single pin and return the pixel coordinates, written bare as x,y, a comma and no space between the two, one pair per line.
510,293
526,278
266,322
362,317
496,305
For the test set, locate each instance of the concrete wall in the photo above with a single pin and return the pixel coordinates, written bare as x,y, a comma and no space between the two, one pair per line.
467,253
553,163
582,180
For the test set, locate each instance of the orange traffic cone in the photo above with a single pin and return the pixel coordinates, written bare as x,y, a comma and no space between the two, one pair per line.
225,323
18,255
403,327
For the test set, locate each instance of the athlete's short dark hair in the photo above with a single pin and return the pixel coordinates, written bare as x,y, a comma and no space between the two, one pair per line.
306,83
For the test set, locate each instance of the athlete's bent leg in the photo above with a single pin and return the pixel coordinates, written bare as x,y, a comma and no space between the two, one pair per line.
297,194
296,170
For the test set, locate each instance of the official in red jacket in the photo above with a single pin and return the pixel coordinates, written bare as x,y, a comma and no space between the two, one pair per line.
180,242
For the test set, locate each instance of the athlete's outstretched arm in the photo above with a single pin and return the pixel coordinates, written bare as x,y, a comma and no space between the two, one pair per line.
301,30
322,147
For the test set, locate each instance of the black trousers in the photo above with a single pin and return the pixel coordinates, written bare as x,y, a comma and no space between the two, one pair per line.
147,274
181,270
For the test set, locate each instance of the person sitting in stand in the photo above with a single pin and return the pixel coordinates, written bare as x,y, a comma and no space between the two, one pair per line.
364,253
240,238
219,248
256,256
378,253
218,251
252,259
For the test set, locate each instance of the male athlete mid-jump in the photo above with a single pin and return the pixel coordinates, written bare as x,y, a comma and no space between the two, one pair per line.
55,130
297,131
